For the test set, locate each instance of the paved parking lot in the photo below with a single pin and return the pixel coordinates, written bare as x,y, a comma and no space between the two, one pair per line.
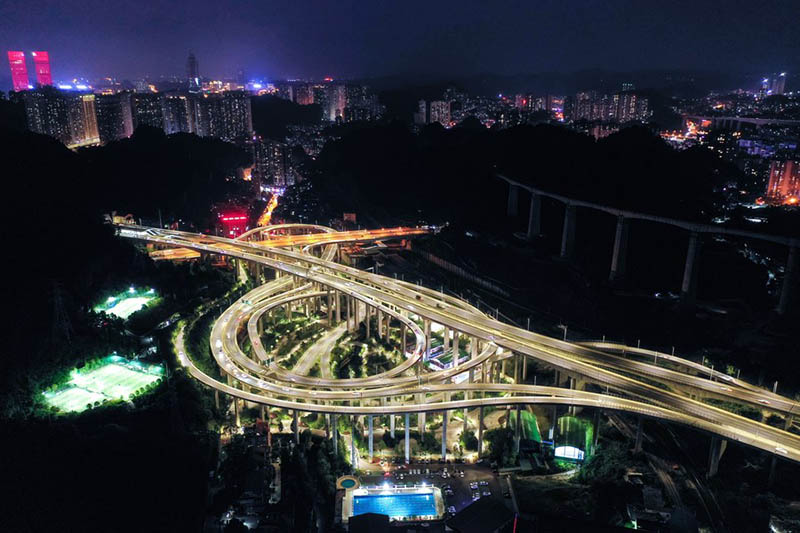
457,491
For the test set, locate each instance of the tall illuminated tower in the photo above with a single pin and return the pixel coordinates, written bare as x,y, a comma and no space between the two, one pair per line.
41,62
193,73
19,72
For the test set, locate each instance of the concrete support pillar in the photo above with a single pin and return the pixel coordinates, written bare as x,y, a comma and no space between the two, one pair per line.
456,351
353,454
535,216
337,306
518,429
366,320
637,447
596,429
772,464
446,340
261,408
369,420
444,435
329,305
619,257
327,426
718,446
466,421
524,367
789,286
516,368
568,233
408,446
288,310
296,421
689,285
513,200
379,323
391,425
236,412
427,345
335,424
387,331
216,398
403,343
480,430
421,424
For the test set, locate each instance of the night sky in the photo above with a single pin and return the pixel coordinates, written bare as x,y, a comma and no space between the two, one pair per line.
315,38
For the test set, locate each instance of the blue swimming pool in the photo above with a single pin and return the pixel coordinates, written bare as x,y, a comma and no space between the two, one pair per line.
396,505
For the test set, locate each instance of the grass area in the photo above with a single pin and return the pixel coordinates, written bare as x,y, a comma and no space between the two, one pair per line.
126,303
116,378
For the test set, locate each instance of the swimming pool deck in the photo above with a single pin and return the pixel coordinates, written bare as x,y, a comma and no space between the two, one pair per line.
376,500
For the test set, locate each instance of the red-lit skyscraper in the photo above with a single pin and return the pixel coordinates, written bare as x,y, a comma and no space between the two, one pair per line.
41,61
19,72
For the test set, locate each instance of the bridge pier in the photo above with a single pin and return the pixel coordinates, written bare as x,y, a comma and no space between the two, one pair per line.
466,421
689,285
236,412
456,351
715,452
421,424
513,200
335,425
637,447
789,286
568,233
596,429
369,420
619,257
391,425
480,430
518,430
353,454
407,439
296,422
403,344
535,216
444,434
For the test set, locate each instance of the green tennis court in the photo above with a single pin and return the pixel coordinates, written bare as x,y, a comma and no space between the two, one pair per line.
117,379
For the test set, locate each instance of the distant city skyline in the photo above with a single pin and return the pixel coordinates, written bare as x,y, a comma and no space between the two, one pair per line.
317,39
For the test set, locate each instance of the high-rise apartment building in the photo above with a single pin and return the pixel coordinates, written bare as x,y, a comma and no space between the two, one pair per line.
304,94
224,115
337,101
148,109
784,182
179,113
19,71
440,112
47,112
421,115
82,120
620,107
114,116
41,62
272,163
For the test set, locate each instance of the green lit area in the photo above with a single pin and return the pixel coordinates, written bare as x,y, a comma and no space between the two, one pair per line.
576,433
128,302
115,378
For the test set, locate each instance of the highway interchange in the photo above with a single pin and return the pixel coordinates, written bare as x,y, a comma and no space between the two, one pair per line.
311,275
